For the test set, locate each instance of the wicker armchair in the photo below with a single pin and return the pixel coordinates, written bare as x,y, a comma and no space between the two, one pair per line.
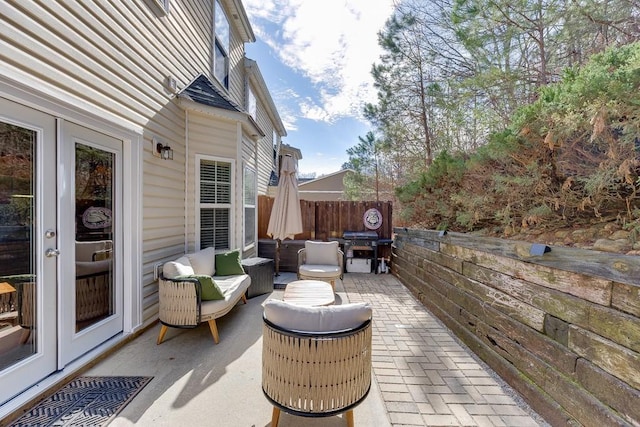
320,261
316,374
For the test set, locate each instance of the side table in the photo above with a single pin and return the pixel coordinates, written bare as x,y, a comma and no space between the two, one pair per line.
261,272
309,292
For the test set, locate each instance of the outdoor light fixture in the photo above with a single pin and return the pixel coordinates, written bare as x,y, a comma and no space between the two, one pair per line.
539,249
163,151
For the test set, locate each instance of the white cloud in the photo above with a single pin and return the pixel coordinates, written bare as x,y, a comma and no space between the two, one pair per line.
333,43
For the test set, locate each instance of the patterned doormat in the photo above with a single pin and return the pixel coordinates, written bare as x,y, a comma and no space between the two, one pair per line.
85,401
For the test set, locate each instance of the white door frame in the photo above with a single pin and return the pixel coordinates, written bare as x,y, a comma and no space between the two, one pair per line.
72,343
61,106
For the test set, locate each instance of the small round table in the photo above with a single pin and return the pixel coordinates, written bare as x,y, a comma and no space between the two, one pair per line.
309,292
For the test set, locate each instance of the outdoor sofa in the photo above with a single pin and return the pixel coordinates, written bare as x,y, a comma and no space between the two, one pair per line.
200,287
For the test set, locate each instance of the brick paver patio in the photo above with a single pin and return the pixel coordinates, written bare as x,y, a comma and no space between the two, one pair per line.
426,376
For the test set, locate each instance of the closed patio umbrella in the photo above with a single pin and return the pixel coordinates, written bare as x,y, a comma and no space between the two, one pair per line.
285,220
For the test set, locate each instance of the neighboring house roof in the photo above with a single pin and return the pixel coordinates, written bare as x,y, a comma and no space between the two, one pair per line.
203,91
326,188
326,180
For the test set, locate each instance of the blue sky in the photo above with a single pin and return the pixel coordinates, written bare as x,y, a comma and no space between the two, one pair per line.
316,57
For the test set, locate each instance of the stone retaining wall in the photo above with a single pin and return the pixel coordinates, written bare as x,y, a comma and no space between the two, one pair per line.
562,328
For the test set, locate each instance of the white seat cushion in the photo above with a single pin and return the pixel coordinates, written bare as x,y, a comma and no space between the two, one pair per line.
319,270
232,287
321,253
316,319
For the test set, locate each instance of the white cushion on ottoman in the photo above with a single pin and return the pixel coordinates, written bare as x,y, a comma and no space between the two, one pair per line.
316,319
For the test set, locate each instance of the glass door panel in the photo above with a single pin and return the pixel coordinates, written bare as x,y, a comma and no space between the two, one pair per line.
28,251
17,272
94,235
91,285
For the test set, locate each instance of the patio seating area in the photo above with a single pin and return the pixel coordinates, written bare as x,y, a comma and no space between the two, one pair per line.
422,375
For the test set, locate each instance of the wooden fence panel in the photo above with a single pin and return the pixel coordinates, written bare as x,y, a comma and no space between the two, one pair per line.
325,220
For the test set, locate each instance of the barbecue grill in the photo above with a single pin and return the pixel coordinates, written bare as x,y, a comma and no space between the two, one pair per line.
361,240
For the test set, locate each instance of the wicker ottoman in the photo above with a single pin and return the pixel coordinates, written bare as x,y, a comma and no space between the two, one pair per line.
261,272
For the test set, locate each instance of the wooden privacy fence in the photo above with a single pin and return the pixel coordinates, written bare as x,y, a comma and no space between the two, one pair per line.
324,220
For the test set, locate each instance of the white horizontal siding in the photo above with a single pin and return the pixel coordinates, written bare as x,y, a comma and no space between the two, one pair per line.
264,149
236,70
210,137
110,60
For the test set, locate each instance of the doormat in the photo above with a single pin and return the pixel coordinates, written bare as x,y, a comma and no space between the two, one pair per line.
85,401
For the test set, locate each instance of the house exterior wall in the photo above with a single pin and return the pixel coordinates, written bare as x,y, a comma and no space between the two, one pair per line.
105,65
269,123
264,151
216,138
110,61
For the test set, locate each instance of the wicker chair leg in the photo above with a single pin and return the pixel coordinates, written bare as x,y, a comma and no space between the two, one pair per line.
275,416
349,417
214,330
163,331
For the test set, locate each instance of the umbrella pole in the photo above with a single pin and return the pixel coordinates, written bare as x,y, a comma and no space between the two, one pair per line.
278,241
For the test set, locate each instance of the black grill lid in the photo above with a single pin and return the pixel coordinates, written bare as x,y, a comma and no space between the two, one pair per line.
360,235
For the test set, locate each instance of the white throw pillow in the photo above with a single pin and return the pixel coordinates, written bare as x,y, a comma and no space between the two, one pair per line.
203,261
179,267
324,253
316,319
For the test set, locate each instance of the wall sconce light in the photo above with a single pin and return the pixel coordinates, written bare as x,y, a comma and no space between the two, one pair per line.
539,249
163,151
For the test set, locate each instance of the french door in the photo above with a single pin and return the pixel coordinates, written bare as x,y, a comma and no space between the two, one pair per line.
60,244
90,303
28,232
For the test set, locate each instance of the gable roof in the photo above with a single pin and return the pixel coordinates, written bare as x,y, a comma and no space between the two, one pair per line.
326,178
327,187
203,92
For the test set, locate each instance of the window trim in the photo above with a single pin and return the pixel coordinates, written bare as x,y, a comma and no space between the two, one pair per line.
252,103
218,45
199,206
253,170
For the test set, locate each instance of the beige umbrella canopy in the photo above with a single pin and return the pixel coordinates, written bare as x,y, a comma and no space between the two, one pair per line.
285,220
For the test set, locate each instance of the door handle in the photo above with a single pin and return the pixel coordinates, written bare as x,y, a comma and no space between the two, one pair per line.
51,252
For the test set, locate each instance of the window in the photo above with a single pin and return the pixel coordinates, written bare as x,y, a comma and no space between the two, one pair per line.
215,203
275,148
250,212
252,107
221,46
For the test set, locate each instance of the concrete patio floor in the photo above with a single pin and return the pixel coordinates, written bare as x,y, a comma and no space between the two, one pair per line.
422,375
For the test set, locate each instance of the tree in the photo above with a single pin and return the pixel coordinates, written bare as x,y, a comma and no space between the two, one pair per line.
363,160
454,73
